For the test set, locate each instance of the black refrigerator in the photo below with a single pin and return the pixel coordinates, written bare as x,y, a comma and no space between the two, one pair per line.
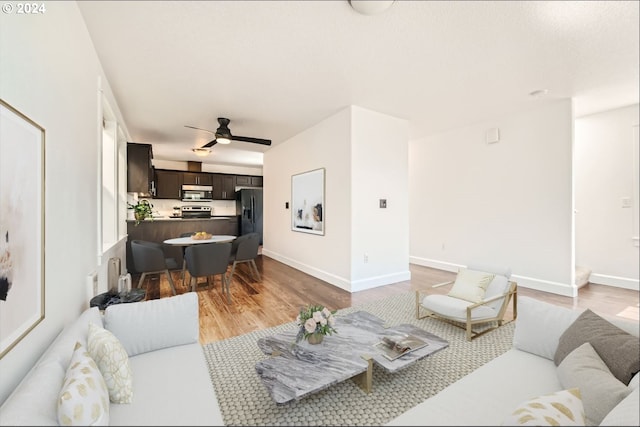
249,209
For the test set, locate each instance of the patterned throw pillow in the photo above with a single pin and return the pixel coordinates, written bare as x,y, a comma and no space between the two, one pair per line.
113,362
562,408
471,285
83,399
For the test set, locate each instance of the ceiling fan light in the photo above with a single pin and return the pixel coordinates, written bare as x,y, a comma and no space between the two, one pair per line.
201,152
223,140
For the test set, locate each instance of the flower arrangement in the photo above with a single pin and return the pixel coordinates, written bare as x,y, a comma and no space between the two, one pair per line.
315,320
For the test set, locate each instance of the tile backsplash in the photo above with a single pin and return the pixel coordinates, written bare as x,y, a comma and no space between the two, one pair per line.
164,207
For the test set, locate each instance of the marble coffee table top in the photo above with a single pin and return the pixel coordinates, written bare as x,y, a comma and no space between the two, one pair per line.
298,369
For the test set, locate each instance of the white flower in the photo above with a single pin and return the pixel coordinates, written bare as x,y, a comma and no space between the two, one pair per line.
310,325
332,321
317,316
323,321
326,312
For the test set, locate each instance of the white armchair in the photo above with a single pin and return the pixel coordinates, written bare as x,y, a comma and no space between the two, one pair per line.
479,295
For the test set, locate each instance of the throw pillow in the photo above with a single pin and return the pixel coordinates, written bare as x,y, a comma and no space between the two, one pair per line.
471,285
562,408
113,362
626,413
600,390
83,399
617,348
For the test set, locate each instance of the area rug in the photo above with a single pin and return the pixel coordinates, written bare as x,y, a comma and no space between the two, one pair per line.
244,400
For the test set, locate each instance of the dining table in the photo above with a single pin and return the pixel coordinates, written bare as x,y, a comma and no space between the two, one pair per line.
184,242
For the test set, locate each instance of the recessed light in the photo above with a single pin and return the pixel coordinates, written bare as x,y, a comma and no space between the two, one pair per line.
539,92
202,152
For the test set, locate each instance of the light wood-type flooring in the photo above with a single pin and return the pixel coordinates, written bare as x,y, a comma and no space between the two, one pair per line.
283,290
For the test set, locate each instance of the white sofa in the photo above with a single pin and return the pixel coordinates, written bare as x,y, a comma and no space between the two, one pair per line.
490,394
171,382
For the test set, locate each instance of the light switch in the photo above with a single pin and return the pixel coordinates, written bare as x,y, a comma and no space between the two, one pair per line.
383,203
626,202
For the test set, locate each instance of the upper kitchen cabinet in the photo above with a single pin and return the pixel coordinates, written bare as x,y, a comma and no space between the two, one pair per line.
248,181
224,186
168,184
196,178
139,169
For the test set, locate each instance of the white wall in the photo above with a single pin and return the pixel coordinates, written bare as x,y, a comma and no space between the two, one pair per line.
507,203
49,71
325,145
379,170
603,177
365,157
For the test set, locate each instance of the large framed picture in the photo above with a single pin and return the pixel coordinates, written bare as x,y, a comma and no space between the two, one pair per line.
307,202
21,226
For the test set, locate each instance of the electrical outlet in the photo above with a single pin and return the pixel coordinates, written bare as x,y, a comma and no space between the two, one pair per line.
366,258
383,203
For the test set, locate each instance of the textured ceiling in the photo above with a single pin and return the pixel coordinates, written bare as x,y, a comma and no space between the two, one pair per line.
277,68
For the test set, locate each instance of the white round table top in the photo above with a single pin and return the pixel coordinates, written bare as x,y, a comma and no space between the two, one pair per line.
187,241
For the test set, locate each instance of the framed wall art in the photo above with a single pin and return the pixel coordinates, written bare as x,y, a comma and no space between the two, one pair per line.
21,226
307,202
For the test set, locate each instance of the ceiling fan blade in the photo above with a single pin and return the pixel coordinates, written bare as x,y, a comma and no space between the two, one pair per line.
193,127
249,139
210,144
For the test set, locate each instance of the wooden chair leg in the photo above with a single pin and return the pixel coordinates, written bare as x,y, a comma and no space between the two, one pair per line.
173,286
255,268
141,281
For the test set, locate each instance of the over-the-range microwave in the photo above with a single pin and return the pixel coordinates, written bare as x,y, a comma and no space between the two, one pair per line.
197,193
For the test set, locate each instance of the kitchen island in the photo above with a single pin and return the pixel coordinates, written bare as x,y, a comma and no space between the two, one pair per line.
160,229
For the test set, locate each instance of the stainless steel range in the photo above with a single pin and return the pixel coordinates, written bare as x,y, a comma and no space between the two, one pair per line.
192,211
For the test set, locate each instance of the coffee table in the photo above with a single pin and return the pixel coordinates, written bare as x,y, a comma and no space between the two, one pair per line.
296,370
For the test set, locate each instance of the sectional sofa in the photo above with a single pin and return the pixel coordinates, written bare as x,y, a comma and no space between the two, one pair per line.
171,384
169,375
499,392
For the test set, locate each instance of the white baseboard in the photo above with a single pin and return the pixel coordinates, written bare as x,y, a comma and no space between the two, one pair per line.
523,281
341,282
618,282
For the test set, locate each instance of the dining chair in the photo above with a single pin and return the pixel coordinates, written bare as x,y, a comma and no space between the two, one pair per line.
149,258
209,259
245,250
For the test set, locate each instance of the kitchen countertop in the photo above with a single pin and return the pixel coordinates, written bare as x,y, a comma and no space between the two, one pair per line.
170,218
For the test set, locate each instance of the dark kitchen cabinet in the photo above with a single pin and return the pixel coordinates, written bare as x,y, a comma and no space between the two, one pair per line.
139,169
248,181
224,186
196,178
168,184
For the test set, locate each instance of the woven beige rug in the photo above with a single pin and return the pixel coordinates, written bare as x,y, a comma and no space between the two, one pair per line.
243,399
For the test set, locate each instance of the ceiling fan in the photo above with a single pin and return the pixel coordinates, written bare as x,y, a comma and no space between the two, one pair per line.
223,135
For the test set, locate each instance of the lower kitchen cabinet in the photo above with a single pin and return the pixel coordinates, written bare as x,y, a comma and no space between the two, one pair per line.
161,230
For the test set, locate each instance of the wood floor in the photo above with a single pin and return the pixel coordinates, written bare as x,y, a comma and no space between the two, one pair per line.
277,298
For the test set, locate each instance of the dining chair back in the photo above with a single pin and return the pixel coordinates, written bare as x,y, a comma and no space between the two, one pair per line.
209,259
245,250
149,258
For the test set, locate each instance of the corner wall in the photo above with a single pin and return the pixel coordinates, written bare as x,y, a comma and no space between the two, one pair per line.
507,203
604,175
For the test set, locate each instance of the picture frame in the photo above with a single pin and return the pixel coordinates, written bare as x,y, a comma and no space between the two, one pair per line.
307,202
22,207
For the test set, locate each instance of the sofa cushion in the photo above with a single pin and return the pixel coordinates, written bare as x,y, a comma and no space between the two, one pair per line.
626,413
113,362
617,348
456,308
471,285
172,387
539,326
600,390
84,398
151,325
562,408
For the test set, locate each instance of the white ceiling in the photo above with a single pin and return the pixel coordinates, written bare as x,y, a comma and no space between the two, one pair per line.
276,68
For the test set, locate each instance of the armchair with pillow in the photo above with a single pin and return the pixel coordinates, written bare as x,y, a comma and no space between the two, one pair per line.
479,295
